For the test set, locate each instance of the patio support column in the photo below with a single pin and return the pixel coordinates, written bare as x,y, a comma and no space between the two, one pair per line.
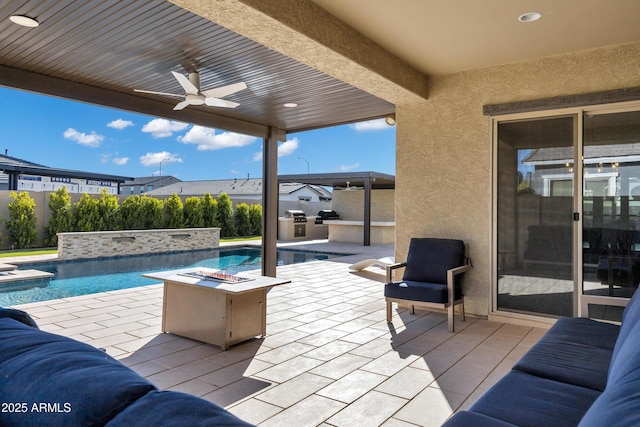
367,212
270,196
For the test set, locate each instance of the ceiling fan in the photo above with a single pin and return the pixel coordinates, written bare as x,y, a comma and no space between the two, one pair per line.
194,96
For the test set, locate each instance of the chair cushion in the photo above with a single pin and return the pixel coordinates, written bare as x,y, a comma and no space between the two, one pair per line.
530,401
418,291
429,259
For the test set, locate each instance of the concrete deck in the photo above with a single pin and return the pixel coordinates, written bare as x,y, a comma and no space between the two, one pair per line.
329,359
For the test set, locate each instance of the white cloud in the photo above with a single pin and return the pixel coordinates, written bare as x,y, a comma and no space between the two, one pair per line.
288,147
153,159
120,161
120,124
346,168
208,139
284,149
90,140
163,128
370,125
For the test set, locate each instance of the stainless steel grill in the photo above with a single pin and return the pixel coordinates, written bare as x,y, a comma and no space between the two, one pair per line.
298,216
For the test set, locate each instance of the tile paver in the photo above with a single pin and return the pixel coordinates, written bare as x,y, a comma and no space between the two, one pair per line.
330,358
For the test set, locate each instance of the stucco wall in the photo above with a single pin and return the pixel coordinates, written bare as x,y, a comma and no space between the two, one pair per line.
350,204
443,159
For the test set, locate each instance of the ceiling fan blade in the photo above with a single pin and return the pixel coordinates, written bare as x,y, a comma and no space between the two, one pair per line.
158,93
181,105
188,87
215,102
222,91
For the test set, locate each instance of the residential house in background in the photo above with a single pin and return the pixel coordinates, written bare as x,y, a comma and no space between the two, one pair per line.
23,175
305,197
145,184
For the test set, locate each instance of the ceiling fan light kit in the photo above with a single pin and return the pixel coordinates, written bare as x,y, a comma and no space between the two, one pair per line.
194,96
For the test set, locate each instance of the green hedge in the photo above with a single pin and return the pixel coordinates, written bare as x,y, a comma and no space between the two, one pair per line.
143,213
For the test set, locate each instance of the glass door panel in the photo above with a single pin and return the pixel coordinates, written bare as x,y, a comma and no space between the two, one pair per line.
611,206
535,204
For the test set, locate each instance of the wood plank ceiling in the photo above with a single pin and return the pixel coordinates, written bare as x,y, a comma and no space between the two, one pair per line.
98,51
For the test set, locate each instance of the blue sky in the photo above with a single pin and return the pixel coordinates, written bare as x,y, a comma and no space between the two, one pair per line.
72,135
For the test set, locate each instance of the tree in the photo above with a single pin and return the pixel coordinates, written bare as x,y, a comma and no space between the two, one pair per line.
193,215
225,216
131,213
173,212
22,220
152,212
255,218
61,219
108,210
209,211
87,214
241,220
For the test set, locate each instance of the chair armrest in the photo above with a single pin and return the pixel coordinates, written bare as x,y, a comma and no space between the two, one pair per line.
451,274
392,267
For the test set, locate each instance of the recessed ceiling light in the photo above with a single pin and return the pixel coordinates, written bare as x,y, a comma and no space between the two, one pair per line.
25,21
530,17
290,105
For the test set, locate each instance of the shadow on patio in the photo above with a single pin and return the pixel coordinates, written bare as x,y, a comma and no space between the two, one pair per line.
329,358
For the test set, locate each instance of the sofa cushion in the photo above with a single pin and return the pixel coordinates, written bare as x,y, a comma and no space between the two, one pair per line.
567,362
530,401
18,315
630,322
76,384
172,408
466,419
619,404
585,331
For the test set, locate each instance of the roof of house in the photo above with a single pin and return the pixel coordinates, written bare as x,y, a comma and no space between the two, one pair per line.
146,180
15,165
556,155
232,187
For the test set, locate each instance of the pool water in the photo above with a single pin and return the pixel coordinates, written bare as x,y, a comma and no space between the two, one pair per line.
73,278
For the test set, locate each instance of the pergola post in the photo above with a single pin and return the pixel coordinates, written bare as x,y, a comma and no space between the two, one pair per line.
270,194
367,212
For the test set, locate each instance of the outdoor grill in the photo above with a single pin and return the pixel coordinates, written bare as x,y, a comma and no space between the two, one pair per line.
326,214
298,216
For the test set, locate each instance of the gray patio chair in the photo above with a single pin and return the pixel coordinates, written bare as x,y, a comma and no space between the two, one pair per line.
432,277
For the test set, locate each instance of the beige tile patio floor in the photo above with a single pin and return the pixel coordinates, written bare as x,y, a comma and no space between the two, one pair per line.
329,358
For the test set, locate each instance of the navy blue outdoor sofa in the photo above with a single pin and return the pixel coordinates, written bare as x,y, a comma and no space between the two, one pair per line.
51,380
581,373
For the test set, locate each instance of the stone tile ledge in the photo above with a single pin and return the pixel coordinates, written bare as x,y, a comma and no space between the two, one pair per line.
100,244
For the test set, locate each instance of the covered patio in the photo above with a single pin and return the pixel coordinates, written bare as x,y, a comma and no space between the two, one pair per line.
329,357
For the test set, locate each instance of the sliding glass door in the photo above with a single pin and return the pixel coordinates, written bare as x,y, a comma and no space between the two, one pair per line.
567,212
611,211
535,205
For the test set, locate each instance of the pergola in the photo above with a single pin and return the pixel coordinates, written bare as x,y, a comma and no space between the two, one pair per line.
336,63
367,180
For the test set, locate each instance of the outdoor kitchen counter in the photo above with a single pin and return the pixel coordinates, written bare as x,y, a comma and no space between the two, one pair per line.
341,230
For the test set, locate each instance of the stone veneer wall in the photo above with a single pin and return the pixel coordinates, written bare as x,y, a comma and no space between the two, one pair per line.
100,244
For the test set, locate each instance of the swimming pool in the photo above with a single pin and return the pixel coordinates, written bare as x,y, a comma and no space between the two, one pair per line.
73,278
